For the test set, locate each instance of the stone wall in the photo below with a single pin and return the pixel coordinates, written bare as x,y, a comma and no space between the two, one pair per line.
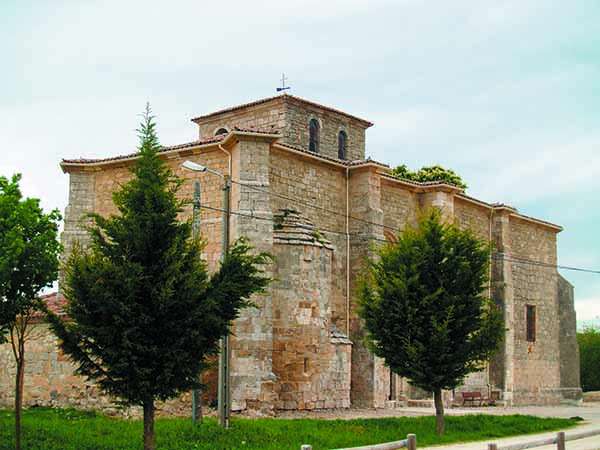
296,130
291,117
91,191
293,351
50,381
400,206
109,180
252,377
323,186
473,217
370,379
536,373
82,199
271,115
311,359
570,379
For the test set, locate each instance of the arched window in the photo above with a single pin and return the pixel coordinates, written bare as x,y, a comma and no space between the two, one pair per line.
313,130
221,131
342,143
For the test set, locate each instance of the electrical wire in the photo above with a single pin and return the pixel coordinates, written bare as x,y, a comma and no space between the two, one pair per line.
496,256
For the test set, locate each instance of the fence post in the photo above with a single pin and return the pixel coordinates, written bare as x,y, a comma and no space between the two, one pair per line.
492,446
560,440
306,447
412,442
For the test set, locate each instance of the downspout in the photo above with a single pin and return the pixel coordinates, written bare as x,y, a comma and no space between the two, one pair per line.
489,365
228,153
347,254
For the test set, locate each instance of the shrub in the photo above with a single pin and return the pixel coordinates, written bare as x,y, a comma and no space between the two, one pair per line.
430,173
589,349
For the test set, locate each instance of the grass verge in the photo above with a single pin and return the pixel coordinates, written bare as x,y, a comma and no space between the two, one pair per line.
61,429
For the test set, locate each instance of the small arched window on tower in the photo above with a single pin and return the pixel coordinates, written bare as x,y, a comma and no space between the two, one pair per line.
342,145
221,131
313,132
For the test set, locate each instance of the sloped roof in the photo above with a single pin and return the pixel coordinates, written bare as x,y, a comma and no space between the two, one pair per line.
284,97
205,141
55,302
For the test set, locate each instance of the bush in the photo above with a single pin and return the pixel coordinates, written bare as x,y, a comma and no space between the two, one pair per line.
589,349
430,173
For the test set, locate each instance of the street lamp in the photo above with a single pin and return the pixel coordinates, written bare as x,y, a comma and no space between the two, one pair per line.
224,391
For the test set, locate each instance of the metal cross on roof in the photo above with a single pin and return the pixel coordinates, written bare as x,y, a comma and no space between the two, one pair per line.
283,86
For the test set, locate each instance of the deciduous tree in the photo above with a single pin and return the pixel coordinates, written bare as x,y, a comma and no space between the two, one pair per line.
424,306
28,262
430,173
589,351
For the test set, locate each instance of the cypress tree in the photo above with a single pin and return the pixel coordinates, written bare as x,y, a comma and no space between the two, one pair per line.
425,310
143,312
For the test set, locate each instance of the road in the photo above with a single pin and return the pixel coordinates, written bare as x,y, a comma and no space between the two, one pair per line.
589,412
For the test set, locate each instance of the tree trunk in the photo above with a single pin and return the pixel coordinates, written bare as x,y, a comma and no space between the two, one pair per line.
19,394
439,412
149,443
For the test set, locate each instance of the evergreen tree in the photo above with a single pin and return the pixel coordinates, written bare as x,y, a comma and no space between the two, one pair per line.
28,262
424,306
143,312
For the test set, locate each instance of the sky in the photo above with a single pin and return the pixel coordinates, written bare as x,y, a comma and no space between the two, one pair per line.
506,93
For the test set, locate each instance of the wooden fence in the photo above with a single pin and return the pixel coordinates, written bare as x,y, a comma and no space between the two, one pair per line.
560,439
410,443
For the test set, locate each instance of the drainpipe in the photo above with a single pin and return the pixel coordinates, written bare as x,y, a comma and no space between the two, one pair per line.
228,153
347,255
489,365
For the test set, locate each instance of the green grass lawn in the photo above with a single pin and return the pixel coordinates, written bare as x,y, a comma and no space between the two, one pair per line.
55,429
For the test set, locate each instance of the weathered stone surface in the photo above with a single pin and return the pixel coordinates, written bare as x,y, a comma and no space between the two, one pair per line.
302,348
290,117
311,358
569,349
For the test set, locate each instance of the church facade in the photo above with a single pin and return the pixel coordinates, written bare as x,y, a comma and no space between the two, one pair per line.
304,191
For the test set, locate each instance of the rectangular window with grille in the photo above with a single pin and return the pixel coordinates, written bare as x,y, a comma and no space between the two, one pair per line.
531,323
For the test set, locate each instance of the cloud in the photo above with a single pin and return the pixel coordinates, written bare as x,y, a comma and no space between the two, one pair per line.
524,174
503,93
588,308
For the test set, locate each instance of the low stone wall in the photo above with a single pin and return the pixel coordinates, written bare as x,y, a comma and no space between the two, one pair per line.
593,396
50,381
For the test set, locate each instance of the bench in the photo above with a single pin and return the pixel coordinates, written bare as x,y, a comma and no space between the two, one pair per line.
472,397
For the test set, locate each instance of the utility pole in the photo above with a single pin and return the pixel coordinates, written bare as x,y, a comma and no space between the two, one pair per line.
224,397
196,393
224,389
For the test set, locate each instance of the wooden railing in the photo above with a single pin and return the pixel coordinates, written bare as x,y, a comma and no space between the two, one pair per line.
560,439
410,443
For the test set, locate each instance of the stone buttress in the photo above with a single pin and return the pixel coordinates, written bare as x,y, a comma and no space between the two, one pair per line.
311,358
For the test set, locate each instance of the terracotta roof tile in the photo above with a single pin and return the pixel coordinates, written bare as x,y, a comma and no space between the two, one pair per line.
55,302
271,130
205,141
359,162
283,96
351,163
209,140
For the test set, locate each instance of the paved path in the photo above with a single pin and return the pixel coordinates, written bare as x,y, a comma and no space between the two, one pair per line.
591,414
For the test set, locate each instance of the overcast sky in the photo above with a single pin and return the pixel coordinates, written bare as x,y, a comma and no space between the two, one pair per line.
507,93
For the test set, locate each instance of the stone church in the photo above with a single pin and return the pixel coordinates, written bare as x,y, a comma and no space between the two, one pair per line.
304,191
